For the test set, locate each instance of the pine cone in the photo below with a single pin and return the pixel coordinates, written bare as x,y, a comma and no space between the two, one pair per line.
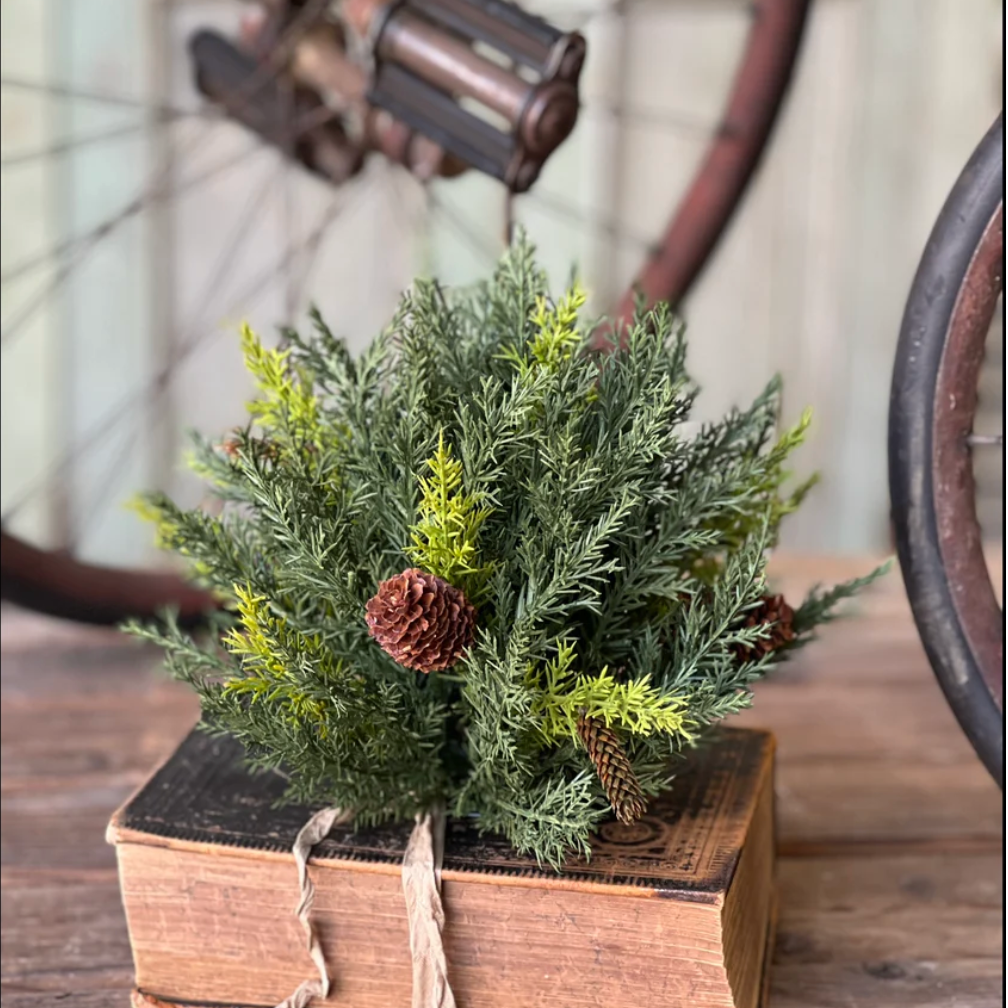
260,447
773,609
613,768
421,620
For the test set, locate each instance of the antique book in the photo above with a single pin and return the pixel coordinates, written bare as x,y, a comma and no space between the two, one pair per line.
674,910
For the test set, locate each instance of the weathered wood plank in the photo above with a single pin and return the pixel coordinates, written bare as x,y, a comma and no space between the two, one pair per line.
94,734
112,993
861,910
59,926
889,828
889,931
976,983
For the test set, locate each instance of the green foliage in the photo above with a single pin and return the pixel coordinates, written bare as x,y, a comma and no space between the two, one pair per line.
555,334
271,658
149,509
821,604
445,539
286,401
634,705
612,558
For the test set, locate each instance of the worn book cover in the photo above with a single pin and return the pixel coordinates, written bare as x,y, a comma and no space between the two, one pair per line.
673,910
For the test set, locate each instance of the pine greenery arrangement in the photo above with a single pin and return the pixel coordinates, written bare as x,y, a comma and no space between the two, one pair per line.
483,564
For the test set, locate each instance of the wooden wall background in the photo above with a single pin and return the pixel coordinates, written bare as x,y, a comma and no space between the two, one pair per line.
890,98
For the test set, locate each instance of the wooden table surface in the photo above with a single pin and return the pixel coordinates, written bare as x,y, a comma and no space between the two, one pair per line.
890,830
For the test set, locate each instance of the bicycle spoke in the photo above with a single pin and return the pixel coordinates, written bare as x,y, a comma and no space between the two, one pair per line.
221,269
85,522
156,189
676,122
258,286
311,254
287,197
985,440
244,93
53,90
80,248
586,218
461,226
301,284
411,216
158,384
147,195
308,251
67,146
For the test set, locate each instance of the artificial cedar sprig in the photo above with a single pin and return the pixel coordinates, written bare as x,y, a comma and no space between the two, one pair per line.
616,566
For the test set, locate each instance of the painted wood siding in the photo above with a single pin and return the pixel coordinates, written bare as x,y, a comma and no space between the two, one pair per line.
890,98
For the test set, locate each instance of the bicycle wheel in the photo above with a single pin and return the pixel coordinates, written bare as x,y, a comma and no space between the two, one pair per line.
952,304
265,92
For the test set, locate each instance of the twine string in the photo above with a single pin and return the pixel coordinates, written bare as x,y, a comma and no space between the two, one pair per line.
313,832
421,882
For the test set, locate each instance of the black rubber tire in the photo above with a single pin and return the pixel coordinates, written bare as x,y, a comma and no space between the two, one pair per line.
968,210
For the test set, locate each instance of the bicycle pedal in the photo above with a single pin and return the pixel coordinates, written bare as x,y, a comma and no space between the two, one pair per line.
291,118
489,83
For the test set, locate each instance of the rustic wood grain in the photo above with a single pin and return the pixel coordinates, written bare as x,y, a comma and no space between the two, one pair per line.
363,930
889,828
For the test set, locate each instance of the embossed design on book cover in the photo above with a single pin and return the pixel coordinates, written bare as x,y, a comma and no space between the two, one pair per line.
689,840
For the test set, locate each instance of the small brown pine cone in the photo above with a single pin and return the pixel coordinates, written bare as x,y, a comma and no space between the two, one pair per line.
772,610
261,447
613,768
230,446
421,620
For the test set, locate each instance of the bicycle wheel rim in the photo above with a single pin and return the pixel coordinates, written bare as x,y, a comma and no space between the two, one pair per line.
60,584
953,297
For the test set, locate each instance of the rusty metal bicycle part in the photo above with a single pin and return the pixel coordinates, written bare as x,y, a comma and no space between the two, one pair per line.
704,213
416,105
429,74
56,583
948,316
320,62
297,121
326,77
